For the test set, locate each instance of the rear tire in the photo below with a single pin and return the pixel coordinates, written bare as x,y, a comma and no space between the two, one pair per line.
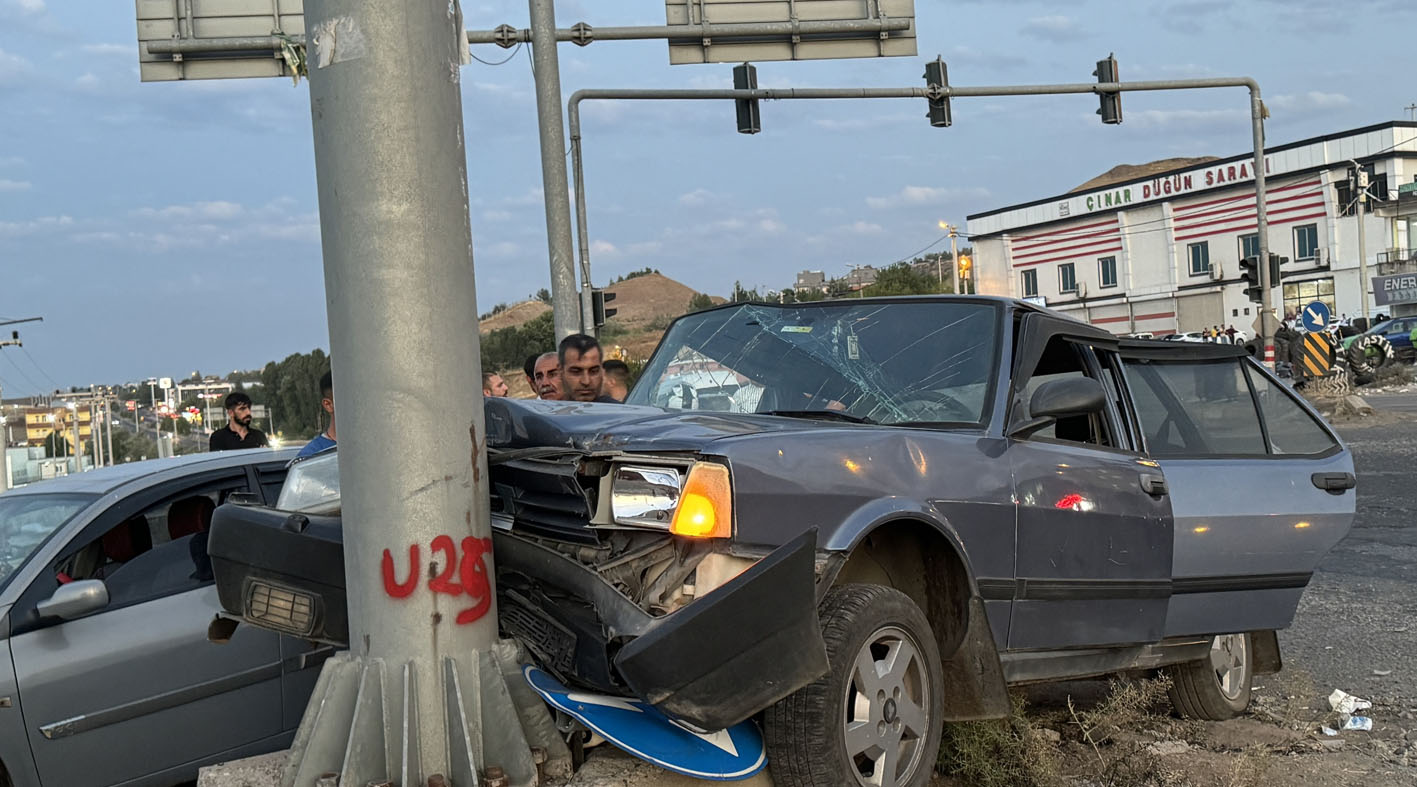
1217,687
834,731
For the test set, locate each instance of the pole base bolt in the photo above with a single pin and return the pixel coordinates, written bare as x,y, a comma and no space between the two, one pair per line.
496,777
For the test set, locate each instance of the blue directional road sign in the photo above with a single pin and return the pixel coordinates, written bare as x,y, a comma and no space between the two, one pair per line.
1315,317
640,729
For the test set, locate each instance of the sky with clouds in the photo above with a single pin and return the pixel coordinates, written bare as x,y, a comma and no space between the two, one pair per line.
165,227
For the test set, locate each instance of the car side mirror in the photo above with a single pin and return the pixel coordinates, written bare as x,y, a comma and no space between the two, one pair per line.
1058,398
75,599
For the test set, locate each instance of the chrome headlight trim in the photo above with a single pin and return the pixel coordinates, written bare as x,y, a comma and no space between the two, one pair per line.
644,496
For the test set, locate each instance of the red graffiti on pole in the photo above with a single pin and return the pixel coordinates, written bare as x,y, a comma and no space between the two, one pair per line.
457,577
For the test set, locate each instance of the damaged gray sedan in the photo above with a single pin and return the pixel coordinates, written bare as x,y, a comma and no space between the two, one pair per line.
858,520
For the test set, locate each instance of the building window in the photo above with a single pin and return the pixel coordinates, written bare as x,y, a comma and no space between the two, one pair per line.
1067,278
1297,295
1199,255
1107,271
1030,284
1250,245
1306,242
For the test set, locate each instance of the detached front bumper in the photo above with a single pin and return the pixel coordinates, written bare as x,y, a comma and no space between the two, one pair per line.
712,664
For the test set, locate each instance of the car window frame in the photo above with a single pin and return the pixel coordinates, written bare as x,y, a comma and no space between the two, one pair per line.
1035,332
1248,367
24,616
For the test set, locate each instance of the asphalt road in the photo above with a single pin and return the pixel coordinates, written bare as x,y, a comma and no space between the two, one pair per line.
1356,628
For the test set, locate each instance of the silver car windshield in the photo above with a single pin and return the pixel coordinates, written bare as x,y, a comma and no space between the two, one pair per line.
898,362
27,521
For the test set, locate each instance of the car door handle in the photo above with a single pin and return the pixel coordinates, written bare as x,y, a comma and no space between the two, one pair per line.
1153,484
1334,482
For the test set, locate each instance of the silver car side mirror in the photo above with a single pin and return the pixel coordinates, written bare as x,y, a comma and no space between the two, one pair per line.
75,599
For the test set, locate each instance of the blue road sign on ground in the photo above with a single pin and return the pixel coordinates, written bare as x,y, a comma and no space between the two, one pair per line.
640,729
1315,317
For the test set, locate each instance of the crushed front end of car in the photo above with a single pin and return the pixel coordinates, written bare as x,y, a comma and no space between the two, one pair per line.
616,568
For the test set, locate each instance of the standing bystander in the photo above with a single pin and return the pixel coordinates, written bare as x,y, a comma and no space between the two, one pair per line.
493,384
582,375
238,432
325,439
617,379
547,379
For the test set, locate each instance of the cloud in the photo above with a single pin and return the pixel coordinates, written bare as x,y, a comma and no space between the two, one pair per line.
1057,29
532,196
110,50
217,210
864,228
866,122
924,195
33,7
1191,17
16,229
645,247
88,82
496,216
603,248
12,161
998,59
771,226
1312,101
14,185
12,67
1184,119
504,248
696,198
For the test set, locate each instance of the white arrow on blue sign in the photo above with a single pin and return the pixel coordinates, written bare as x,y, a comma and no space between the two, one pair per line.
1315,317
642,730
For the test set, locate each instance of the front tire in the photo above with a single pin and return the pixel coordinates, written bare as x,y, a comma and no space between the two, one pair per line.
1216,687
874,720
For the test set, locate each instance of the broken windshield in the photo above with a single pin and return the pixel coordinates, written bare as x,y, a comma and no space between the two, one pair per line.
892,362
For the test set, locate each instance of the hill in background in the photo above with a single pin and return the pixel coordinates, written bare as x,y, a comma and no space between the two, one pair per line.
645,305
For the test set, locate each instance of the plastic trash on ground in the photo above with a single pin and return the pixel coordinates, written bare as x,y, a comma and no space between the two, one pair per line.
1361,723
1343,702
1329,731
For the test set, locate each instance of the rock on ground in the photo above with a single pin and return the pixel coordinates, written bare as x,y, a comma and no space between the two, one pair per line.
261,771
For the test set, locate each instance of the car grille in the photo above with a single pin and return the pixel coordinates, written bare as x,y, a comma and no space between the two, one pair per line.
545,498
553,645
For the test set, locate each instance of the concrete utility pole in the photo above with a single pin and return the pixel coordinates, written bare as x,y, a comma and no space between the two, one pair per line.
1360,183
417,695
554,181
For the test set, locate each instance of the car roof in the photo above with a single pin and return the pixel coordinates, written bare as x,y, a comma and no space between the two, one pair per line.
106,479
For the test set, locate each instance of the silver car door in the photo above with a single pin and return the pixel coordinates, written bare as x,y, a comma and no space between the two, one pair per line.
1261,489
135,689
1094,543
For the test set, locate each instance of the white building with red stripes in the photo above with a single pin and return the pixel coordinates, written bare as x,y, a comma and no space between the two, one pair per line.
1161,254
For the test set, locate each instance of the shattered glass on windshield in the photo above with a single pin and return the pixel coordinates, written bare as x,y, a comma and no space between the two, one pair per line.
892,363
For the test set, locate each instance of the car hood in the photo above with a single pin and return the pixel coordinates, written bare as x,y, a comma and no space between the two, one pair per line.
589,426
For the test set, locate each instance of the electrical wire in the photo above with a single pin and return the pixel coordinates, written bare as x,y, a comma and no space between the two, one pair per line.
35,388
36,365
501,62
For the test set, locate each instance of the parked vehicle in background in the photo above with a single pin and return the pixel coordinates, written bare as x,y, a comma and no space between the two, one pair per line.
106,673
924,500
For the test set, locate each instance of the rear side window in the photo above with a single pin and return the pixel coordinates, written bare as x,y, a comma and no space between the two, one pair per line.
1291,429
1196,408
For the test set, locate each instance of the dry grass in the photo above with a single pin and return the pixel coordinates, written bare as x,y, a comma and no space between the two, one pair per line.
1004,753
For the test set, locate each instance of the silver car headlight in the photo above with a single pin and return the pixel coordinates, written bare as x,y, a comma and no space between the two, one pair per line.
312,485
644,495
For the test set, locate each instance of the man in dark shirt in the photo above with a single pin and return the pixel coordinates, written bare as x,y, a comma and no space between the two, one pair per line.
238,432
582,376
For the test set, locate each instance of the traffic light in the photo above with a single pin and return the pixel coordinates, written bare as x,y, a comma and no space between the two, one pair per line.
745,77
1111,109
598,299
1250,274
937,78
1276,271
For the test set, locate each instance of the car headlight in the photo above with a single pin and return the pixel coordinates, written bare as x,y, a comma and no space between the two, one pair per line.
696,505
312,485
644,495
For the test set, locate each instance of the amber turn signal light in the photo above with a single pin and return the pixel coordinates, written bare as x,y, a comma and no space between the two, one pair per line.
706,505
